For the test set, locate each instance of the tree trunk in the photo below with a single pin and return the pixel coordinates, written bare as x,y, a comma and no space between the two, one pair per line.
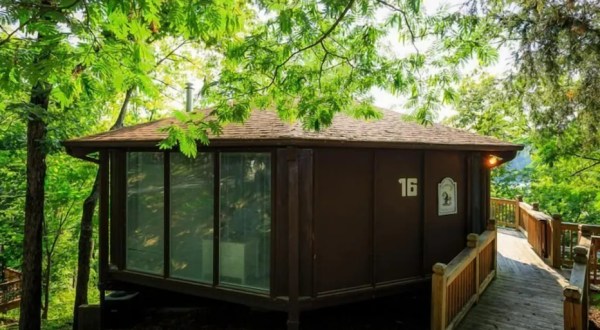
85,249
46,287
29,318
86,231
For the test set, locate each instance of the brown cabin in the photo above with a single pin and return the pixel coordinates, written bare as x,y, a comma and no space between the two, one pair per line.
273,216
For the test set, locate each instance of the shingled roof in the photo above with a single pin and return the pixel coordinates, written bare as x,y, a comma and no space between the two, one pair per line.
265,128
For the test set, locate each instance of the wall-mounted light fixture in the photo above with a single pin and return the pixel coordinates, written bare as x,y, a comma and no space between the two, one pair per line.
492,161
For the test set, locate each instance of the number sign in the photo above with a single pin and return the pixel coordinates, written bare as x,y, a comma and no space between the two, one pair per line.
409,186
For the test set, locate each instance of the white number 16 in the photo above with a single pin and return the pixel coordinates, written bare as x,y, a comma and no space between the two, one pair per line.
409,186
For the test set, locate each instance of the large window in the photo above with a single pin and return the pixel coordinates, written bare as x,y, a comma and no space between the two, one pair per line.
244,216
145,212
192,214
245,219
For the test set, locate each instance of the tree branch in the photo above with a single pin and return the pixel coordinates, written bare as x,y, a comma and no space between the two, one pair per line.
123,111
22,25
316,42
405,17
169,54
585,168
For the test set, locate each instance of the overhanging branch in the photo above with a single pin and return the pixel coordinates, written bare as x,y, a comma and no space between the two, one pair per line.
313,44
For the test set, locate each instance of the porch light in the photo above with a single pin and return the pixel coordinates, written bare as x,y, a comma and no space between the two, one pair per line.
493,161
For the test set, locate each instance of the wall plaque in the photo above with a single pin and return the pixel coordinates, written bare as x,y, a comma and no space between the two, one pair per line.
447,203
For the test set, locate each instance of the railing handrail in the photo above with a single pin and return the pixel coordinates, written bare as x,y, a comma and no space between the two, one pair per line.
570,225
11,273
538,215
8,283
503,200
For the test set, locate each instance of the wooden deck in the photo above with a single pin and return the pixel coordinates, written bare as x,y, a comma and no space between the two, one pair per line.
526,294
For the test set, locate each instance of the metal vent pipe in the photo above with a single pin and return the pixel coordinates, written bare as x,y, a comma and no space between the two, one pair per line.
189,88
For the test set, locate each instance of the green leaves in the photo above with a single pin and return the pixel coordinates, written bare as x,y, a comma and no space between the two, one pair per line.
191,127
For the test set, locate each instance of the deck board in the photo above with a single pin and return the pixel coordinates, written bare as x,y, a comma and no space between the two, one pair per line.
526,294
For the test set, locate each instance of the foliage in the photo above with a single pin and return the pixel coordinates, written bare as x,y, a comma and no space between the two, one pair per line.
567,185
307,60
557,66
87,54
311,60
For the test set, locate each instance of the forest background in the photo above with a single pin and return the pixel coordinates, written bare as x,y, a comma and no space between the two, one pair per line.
71,68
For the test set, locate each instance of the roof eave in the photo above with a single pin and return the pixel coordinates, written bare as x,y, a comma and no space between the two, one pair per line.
79,147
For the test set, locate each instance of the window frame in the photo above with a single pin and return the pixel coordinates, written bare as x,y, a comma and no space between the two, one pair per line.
118,223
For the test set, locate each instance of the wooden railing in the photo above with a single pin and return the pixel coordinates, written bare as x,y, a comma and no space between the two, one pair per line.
10,290
560,244
570,237
576,303
538,229
593,264
505,212
550,238
457,286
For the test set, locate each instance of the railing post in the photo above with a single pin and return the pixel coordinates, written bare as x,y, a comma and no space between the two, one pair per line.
492,227
556,242
519,219
572,308
517,211
438,297
576,304
472,242
584,231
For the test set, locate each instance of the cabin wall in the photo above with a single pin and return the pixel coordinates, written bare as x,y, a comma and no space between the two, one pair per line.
343,215
444,235
368,232
359,228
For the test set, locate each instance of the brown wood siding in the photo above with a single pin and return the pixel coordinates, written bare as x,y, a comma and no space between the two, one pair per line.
342,200
397,222
305,168
280,248
117,208
444,235
477,220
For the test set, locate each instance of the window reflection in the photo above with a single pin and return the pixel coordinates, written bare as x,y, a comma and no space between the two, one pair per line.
245,219
192,204
145,212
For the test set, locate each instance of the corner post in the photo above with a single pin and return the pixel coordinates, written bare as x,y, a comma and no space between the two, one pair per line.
555,224
293,322
438,297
